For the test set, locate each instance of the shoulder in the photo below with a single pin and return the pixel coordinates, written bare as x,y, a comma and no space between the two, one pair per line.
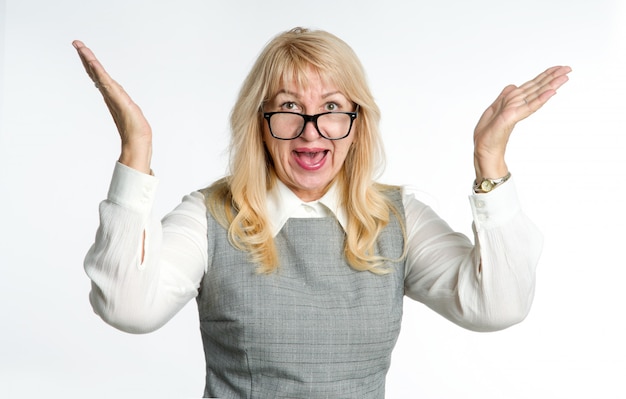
393,196
218,188
391,192
218,200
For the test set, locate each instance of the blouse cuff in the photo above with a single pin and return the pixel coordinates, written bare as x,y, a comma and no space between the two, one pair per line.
496,207
132,189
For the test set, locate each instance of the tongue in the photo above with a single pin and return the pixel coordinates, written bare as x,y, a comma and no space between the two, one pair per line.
311,158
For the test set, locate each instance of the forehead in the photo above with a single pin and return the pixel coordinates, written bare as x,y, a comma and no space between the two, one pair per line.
298,81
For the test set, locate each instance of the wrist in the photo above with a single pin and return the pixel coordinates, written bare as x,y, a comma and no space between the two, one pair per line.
137,159
486,184
489,168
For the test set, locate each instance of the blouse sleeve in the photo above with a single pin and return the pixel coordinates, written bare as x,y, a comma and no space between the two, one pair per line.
485,286
138,284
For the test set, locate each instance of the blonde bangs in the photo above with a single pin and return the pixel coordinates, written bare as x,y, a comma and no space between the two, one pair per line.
292,64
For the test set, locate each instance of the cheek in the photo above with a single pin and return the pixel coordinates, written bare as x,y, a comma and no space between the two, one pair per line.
267,137
271,145
279,152
346,148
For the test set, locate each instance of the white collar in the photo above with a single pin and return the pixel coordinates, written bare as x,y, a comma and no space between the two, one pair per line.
282,204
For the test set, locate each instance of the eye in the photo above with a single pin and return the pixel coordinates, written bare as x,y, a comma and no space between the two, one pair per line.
331,107
289,106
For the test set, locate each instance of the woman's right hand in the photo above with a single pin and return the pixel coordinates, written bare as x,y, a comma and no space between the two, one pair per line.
132,126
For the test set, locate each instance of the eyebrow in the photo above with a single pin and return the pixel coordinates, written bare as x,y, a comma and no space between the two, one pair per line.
325,95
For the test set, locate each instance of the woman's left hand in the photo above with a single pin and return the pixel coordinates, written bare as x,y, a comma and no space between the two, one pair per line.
494,128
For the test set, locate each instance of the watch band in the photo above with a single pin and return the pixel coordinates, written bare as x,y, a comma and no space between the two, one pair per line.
487,184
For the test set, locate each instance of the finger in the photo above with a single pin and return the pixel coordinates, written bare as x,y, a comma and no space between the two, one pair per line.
551,83
114,94
92,66
115,97
503,97
80,48
545,76
538,90
547,89
86,56
507,90
552,78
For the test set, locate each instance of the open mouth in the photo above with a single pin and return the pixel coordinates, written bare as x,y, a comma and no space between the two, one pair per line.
310,160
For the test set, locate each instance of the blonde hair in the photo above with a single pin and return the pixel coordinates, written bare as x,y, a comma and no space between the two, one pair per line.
238,201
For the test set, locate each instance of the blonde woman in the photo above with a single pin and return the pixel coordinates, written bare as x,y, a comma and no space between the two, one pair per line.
298,259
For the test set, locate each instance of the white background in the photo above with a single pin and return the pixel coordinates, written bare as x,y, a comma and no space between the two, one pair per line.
433,67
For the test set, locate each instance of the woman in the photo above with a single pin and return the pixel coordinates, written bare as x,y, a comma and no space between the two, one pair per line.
298,259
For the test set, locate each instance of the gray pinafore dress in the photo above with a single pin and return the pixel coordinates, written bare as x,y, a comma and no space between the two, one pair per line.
315,328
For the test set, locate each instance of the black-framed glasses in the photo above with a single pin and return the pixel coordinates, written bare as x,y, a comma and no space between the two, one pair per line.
329,125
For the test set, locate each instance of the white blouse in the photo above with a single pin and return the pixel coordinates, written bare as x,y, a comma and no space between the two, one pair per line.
484,286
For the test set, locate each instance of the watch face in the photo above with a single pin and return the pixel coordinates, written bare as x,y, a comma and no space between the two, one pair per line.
486,185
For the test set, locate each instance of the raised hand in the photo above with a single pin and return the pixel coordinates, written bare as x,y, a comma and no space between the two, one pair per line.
132,126
514,104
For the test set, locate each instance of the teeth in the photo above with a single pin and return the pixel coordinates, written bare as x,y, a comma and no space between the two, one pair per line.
312,154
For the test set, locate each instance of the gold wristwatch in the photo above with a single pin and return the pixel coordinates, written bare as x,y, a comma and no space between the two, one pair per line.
487,185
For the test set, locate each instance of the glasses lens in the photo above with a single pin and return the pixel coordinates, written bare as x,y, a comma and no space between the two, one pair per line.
334,125
288,125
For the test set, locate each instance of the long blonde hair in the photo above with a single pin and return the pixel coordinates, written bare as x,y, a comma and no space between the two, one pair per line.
238,201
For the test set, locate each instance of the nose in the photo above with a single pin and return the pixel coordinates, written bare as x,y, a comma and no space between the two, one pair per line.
310,132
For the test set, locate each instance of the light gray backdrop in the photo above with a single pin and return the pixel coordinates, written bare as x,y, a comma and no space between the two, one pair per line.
433,66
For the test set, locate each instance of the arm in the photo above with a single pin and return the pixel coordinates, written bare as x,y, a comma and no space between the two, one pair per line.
144,271
489,285
483,287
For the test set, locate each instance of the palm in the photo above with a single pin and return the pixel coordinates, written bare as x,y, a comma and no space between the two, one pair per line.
133,128
514,104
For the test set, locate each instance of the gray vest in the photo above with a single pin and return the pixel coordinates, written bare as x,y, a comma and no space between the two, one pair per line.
315,328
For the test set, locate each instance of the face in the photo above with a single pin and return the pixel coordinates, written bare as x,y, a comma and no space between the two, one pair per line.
308,164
